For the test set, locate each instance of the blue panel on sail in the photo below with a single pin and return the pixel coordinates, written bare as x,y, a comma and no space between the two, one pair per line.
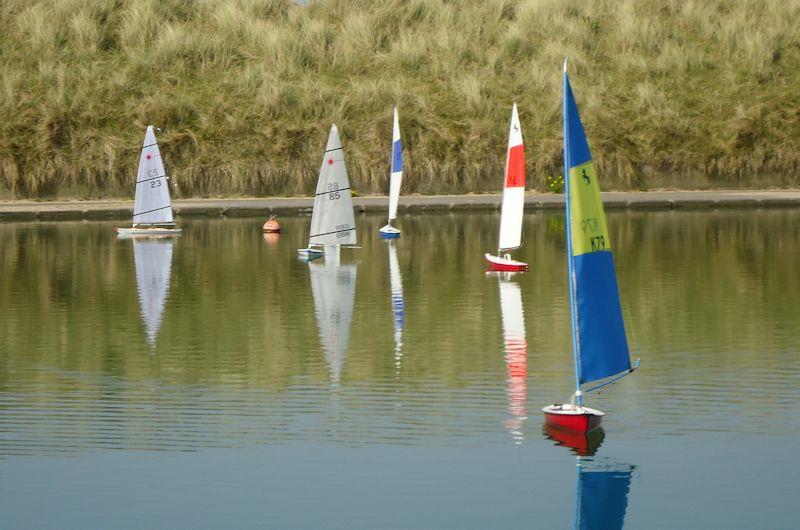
397,156
603,347
604,499
578,148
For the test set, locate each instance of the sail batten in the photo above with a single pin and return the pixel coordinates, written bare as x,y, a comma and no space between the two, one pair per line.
600,343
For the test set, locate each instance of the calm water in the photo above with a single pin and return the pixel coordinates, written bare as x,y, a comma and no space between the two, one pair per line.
218,382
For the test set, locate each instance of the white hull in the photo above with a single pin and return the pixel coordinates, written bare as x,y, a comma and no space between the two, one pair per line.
388,231
123,233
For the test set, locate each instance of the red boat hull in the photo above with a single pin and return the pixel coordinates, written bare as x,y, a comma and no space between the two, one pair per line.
570,420
497,264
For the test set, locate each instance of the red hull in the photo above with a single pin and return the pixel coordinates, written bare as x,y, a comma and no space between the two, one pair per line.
573,422
505,265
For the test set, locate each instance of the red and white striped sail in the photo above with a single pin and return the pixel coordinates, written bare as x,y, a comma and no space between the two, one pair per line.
513,188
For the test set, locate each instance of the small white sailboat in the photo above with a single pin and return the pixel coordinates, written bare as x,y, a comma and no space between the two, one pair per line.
511,210
516,351
599,344
153,261
332,220
388,231
152,209
333,287
398,304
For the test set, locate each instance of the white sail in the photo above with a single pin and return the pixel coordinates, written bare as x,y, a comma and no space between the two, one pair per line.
513,188
333,221
398,304
152,205
396,178
333,287
153,260
516,350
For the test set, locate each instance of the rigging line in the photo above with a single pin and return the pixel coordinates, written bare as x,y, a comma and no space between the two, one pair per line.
612,381
157,209
334,232
331,191
153,178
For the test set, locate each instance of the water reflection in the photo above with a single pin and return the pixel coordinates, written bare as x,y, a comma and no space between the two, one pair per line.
602,494
516,351
333,287
153,260
580,443
398,304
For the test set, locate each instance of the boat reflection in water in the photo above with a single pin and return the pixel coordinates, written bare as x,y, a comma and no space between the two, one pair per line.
516,351
333,287
398,305
601,496
153,261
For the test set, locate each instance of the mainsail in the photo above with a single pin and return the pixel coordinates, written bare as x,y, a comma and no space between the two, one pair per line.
599,341
397,168
153,261
333,221
152,205
513,188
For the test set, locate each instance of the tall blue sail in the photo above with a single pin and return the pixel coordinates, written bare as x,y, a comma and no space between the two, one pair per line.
599,341
603,498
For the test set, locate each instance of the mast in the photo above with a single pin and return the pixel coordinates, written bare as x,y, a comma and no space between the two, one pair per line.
570,267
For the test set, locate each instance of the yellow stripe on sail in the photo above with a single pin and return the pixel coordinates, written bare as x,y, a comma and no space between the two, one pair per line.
588,220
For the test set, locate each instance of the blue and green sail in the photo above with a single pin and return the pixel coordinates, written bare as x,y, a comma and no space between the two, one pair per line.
599,342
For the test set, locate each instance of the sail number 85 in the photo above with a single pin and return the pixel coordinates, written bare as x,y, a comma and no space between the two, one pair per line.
333,191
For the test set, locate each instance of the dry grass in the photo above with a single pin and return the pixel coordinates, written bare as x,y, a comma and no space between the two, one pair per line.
675,93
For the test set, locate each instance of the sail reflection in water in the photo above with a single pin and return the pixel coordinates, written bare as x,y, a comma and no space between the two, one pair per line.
602,494
398,305
153,260
516,350
333,286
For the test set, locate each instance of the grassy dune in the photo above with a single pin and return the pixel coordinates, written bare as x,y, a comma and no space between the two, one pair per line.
673,93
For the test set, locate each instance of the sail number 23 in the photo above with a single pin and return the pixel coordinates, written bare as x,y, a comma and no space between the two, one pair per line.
333,191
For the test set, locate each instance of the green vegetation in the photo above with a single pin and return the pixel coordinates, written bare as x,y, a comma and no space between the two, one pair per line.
680,93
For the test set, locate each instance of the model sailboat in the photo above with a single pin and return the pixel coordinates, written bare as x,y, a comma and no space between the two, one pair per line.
599,344
152,209
332,220
388,231
513,202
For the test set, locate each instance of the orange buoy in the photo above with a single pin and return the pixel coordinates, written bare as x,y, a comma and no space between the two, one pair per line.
271,226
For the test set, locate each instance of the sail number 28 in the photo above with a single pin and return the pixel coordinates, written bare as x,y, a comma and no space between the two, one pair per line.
333,192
